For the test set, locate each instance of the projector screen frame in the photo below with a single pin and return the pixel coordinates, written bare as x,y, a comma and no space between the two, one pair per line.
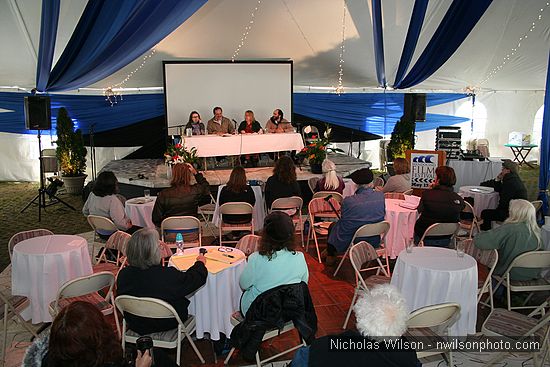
224,61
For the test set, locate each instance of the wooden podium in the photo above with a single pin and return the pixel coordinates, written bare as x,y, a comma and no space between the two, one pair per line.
423,164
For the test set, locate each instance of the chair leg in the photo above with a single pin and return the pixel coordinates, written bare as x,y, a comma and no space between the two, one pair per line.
258,361
228,356
341,262
178,348
197,352
351,308
317,246
5,335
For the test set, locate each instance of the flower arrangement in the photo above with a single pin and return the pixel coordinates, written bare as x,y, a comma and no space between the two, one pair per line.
316,151
177,153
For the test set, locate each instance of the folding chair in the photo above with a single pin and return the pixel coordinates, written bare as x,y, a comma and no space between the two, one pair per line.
537,204
335,195
408,192
292,204
25,235
360,254
310,134
378,182
207,213
99,223
87,289
529,260
248,244
319,208
433,322
394,195
440,229
118,241
235,208
153,308
312,182
486,263
467,225
368,230
188,226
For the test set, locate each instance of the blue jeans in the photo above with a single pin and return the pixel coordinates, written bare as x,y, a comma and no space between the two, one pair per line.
301,358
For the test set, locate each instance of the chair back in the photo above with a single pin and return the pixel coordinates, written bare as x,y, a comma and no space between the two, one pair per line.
335,195
394,195
378,181
537,204
293,202
236,208
441,229
49,161
468,208
531,259
321,206
101,223
87,284
408,192
308,133
25,235
372,229
312,182
118,241
359,254
151,308
188,226
438,317
489,258
248,244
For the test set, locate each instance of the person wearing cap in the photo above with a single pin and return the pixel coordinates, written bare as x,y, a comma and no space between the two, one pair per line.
275,263
509,185
364,207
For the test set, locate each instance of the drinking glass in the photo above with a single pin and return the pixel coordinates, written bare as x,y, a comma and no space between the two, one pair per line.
147,194
409,245
460,246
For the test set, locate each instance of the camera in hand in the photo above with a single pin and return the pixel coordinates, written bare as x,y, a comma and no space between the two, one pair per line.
144,343
203,251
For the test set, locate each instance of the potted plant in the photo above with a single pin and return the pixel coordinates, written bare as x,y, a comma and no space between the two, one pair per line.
316,151
402,139
177,153
70,153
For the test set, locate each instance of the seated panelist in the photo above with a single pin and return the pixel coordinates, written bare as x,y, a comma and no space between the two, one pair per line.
277,124
249,125
195,124
219,124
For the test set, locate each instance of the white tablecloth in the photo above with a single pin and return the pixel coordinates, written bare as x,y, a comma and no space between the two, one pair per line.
433,275
469,173
215,145
482,201
258,213
402,222
141,214
41,265
213,304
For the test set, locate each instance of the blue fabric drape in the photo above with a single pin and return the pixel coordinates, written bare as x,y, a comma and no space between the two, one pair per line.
370,112
48,36
111,34
460,19
378,35
545,146
415,26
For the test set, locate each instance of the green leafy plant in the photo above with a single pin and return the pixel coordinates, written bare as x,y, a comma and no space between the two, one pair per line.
316,151
177,153
70,150
402,139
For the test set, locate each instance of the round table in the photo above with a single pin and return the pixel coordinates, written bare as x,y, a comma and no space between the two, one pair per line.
140,212
213,304
258,212
484,197
402,222
41,265
433,275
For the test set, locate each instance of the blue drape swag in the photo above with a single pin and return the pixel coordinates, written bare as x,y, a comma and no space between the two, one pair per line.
48,36
378,42
108,36
460,19
545,146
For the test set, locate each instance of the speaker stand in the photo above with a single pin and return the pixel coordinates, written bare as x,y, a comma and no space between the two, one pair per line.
41,196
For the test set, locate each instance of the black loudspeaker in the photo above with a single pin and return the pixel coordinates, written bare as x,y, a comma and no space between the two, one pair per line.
415,106
38,113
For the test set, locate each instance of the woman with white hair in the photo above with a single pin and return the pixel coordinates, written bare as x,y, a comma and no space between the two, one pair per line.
331,181
381,316
146,277
519,233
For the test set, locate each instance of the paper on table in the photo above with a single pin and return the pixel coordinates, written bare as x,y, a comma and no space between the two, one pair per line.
224,257
184,262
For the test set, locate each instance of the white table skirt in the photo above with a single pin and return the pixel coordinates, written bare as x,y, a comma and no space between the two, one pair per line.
432,275
41,265
470,173
214,303
402,222
215,145
141,214
258,212
482,201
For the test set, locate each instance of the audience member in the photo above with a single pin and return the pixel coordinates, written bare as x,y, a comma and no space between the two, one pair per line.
283,183
237,190
364,207
381,315
250,126
401,181
145,277
331,181
182,198
104,201
276,262
80,337
440,204
278,124
519,233
509,185
219,124
195,123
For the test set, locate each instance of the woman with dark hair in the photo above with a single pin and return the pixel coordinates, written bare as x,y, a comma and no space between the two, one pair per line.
276,263
182,198
440,204
283,183
237,190
401,181
104,201
195,123
80,337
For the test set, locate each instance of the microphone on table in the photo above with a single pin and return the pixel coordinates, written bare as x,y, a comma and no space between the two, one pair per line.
234,122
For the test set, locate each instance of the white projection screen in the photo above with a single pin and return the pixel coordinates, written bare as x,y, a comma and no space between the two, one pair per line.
197,85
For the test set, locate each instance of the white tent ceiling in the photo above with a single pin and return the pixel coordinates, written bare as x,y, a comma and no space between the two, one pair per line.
309,32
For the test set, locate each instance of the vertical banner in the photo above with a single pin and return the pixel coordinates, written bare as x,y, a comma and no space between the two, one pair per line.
423,165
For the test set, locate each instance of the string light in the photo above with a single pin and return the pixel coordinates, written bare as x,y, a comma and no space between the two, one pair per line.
340,87
515,49
247,30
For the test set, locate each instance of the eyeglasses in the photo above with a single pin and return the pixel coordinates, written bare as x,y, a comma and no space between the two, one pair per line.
225,249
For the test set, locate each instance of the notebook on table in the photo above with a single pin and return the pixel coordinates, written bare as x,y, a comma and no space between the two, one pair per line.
411,202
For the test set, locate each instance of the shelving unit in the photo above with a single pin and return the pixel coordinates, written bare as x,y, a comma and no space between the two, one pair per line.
449,139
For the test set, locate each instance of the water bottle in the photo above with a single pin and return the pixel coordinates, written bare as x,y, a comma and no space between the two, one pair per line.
179,244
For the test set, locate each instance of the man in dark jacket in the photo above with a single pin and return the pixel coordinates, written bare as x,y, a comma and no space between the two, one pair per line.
509,185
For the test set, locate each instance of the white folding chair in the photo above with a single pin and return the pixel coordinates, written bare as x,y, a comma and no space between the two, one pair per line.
292,206
378,182
368,230
312,182
433,322
188,226
99,223
319,208
239,208
408,192
118,241
25,235
360,254
308,133
207,213
154,308
467,225
537,204
333,194
440,229
248,244
394,195
486,263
